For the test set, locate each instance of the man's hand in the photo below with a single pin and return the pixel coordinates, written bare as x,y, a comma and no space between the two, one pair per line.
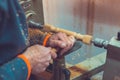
61,41
39,58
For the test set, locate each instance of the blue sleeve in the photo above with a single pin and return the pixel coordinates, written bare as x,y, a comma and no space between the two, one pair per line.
13,30
13,40
14,70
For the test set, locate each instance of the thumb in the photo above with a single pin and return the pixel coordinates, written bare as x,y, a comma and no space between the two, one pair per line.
53,53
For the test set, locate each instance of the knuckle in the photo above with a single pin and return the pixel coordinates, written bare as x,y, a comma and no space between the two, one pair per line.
44,69
69,42
49,58
46,64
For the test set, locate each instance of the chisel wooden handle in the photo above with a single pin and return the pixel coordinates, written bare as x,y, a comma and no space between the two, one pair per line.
84,38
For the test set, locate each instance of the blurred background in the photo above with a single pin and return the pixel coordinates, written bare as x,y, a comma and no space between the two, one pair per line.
100,18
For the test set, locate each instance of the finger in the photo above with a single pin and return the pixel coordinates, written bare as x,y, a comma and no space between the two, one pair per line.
45,58
40,69
67,39
62,36
58,43
49,58
53,54
46,64
54,37
70,44
72,39
39,48
65,50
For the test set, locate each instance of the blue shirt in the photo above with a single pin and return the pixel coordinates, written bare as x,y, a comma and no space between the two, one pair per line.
13,40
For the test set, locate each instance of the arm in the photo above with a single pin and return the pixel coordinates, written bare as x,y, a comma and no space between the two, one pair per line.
12,42
16,69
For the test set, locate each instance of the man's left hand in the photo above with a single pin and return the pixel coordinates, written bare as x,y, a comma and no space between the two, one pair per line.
62,42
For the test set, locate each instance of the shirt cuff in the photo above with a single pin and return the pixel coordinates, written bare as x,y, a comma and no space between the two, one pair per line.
46,39
27,63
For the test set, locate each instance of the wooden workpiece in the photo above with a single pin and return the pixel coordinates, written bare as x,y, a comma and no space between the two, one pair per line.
84,38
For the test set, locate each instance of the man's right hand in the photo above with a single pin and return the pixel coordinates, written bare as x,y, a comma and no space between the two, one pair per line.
39,57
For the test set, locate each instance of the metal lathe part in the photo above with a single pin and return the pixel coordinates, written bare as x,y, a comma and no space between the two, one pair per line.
33,24
100,43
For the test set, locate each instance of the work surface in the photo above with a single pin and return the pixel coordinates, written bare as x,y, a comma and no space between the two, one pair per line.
82,67
87,65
